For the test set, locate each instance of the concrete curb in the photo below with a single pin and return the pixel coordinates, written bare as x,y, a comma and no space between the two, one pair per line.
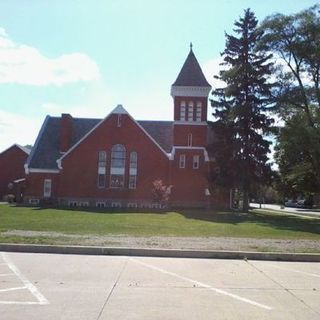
170,253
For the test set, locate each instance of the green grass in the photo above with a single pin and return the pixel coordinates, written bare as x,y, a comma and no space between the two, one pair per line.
187,223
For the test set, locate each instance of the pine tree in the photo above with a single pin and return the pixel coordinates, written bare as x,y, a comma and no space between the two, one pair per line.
241,109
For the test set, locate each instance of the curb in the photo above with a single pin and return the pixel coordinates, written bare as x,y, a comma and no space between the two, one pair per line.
169,253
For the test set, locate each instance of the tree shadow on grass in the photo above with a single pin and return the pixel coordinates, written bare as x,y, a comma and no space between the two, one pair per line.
266,219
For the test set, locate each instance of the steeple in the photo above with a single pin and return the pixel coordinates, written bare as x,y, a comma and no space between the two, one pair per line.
191,74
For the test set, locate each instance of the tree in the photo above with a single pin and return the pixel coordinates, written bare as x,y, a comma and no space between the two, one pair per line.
293,157
295,43
240,110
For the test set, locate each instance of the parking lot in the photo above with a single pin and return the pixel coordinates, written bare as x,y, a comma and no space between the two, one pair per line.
44,286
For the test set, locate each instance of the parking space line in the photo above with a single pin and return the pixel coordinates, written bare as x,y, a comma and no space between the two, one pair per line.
203,285
28,285
6,274
296,271
12,289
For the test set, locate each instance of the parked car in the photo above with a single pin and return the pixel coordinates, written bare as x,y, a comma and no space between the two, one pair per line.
291,203
307,204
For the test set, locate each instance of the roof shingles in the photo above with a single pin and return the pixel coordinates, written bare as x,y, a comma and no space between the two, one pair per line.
47,152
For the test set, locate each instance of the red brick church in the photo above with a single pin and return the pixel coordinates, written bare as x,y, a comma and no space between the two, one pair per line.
113,162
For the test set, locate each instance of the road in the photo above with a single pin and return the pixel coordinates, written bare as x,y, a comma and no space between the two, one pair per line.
299,211
44,286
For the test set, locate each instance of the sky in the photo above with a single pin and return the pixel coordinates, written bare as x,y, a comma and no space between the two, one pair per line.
84,57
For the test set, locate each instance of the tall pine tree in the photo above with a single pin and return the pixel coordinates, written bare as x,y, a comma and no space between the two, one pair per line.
241,111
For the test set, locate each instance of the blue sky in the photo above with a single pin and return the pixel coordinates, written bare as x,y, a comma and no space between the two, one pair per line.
86,56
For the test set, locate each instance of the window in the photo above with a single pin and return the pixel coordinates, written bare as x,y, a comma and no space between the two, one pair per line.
47,188
102,163
119,120
100,204
34,201
196,162
199,111
117,168
133,170
189,139
73,203
182,161
190,111
183,111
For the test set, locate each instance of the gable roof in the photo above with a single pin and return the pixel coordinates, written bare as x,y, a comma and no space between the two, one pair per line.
46,150
24,149
191,74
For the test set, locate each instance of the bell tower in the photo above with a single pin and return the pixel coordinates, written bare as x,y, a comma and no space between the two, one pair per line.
190,96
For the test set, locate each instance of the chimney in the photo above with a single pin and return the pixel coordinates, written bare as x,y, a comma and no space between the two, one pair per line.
65,132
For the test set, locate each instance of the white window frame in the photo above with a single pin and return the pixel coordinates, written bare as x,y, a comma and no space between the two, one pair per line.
133,168
115,169
47,188
102,164
73,203
199,111
183,111
190,111
100,204
34,201
182,161
196,162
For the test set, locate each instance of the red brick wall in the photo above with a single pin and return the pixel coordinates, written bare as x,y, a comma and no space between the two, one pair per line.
11,168
80,167
199,135
35,182
189,184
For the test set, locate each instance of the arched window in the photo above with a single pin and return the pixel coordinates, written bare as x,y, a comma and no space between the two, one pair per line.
117,168
133,170
190,111
102,163
183,111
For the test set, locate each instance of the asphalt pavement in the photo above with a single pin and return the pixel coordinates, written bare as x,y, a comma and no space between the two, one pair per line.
298,211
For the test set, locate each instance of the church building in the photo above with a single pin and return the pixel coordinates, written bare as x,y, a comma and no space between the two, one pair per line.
114,162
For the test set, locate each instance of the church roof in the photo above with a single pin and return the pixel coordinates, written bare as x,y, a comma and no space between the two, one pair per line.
46,150
191,74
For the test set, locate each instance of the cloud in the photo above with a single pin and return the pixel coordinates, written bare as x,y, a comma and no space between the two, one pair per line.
18,129
212,68
23,64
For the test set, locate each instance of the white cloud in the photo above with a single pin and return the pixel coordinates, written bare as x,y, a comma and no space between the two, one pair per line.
18,129
212,68
23,64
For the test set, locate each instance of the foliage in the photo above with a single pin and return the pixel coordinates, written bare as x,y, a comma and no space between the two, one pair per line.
295,42
240,110
161,192
293,156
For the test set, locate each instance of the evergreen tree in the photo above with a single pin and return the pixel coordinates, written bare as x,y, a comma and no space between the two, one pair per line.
241,109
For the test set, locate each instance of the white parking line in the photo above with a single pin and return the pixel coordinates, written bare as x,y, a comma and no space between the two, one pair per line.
203,285
6,274
296,271
12,289
27,285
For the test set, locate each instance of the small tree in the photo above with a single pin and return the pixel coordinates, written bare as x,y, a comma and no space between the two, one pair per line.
161,192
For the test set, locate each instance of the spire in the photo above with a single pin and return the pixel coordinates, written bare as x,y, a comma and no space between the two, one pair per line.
191,74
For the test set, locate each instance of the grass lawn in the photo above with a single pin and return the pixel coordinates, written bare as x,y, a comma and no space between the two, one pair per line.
186,223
